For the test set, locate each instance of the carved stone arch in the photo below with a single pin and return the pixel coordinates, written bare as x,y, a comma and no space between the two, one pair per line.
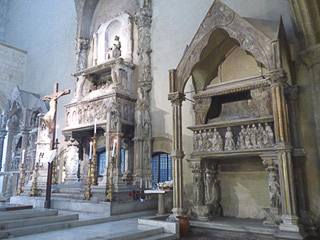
247,33
85,11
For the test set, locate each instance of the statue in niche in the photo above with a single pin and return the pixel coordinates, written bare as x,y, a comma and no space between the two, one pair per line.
253,135
82,45
247,138
205,141
260,136
195,141
3,121
217,142
241,139
270,135
274,191
198,188
229,142
210,137
146,123
115,49
261,99
200,141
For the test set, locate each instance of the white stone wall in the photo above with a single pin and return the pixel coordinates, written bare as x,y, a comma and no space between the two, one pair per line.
12,68
46,29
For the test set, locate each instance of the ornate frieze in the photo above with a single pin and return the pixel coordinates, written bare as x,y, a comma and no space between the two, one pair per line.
235,138
83,114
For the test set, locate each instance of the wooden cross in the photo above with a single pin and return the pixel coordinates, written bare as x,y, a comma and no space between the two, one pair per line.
50,116
50,119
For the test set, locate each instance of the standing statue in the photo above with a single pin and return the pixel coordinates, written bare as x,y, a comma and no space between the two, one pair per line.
195,142
229,142
270,135
205,141
241,139
200,141
274,191
253,135
260,136
247,138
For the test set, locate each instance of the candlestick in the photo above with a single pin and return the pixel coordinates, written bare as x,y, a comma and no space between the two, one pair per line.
114,148
23,152
56,133
95,126
90,152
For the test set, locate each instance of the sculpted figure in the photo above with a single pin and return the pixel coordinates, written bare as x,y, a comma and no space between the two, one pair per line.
241,141
274,191
253,135
48,117
195,141
198,190
200,141
262,100
217,142
210,138
265,138
270,135
247,138
229,142
205,141
260,136
116,52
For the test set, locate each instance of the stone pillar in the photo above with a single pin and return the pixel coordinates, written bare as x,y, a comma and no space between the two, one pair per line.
287,185
271,164
3,134
311,58
177,153
12,131
72,161
143,134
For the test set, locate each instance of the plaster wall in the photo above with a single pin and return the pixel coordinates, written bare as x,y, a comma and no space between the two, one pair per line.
12,69
46,30
173,27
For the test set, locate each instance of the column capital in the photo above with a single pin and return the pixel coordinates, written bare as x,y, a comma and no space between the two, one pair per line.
176,98
269,159
276,77
311,56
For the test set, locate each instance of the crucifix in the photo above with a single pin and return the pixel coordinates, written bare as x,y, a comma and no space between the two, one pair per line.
50,120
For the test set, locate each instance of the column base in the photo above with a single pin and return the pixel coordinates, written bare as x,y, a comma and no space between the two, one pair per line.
290,224
178,212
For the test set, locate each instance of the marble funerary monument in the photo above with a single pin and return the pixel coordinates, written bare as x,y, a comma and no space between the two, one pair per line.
236,146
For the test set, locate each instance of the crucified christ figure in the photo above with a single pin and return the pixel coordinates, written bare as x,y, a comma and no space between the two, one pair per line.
48,117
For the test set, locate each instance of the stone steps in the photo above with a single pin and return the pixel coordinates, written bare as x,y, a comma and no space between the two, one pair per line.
37,221
25,222
162,236
27,214
78,196
136,235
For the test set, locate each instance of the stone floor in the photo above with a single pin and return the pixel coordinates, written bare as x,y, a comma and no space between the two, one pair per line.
110,230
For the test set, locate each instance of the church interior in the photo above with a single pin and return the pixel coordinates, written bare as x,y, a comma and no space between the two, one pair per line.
142,119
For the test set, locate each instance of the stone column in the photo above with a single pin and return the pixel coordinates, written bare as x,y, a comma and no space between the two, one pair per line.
3,134
12,131
177,153
311,58
72,161
143,134
287,186
273,215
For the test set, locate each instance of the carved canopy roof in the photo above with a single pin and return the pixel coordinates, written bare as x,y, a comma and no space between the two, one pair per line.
221,30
